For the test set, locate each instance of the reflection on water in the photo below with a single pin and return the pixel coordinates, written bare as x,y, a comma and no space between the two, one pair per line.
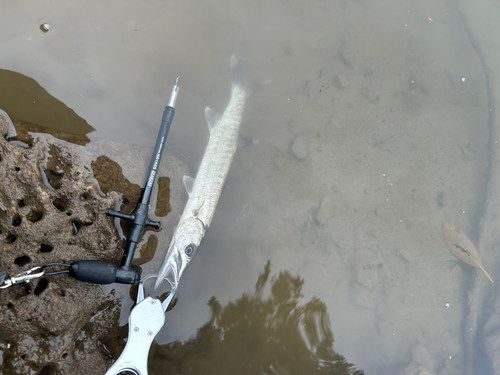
24,99
259,335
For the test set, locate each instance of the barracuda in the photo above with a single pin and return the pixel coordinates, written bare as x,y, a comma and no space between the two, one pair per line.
204,191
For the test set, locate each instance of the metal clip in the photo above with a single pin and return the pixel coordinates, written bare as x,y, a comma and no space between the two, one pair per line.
145,321
22,277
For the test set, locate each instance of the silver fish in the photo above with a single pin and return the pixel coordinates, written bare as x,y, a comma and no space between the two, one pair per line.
204,191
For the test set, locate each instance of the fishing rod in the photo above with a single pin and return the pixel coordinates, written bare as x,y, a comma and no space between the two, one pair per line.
139,218
101,271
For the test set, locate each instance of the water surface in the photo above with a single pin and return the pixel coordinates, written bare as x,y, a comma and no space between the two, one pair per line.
375,130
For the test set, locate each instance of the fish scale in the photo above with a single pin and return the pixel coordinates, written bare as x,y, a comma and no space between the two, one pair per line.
216,163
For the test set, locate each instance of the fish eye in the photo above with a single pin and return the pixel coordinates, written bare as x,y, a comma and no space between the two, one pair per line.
189,250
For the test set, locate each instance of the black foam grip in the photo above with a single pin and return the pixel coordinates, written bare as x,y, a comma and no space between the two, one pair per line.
93,271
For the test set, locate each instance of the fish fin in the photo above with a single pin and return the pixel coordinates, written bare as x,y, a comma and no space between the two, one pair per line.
198,208
238,79
212,118
245,141
188,183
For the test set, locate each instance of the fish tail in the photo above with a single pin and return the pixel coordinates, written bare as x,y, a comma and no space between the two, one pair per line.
238,79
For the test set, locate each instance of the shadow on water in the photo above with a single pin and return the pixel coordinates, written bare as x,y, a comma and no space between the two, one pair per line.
24,99
259,335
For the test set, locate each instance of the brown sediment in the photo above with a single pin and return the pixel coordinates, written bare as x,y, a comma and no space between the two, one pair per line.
147,250
163,199
24,127
110,177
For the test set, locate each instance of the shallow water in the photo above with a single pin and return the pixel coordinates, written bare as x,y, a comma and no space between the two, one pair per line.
375,130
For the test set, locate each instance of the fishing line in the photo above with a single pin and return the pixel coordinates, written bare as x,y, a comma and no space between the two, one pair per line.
55,272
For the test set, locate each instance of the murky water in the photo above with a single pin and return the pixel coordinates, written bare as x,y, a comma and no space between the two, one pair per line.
378,127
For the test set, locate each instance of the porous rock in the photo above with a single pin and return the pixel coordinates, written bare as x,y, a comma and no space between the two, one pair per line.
51,211
367,265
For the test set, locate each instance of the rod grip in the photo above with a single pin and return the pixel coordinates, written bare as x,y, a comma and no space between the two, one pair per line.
103,272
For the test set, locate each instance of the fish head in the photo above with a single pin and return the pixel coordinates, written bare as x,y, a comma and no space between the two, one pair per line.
183,248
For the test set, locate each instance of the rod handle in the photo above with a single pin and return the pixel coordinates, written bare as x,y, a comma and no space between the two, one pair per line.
103,272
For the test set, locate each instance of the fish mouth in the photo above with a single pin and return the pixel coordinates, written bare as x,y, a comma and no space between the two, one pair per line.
162,277
183,247
169,270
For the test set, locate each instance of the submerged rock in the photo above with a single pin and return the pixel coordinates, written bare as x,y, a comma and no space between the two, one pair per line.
324,210
299,148
416,369
421,356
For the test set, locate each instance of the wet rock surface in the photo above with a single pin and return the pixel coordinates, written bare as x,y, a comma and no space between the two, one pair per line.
50,212
52,209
